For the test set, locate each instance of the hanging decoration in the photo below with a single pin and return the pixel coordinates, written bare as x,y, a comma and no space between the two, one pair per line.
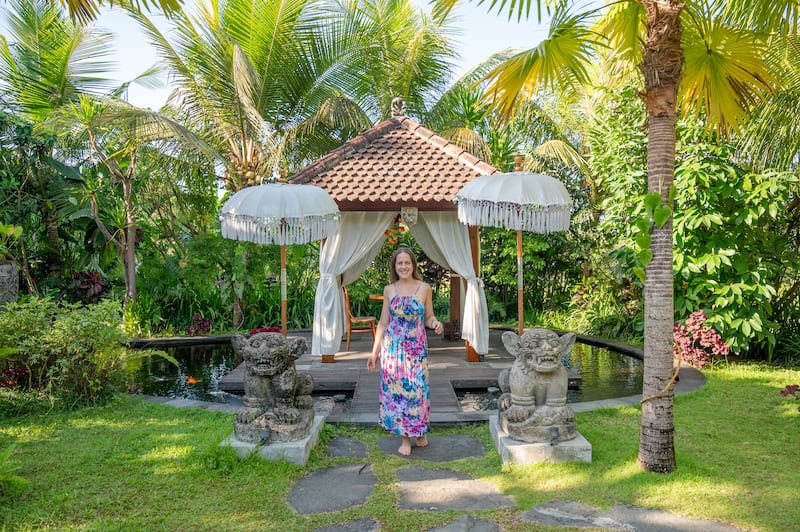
397,227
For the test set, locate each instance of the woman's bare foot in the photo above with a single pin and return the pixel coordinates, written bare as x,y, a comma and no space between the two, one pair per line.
405,447
422,441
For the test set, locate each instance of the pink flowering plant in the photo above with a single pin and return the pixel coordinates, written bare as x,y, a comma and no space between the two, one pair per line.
696,343
792,390
265,329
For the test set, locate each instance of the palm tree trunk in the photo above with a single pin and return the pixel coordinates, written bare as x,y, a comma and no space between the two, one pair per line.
129,246
661,66
53,255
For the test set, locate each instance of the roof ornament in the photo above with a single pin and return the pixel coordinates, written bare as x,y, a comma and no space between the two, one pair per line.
398,107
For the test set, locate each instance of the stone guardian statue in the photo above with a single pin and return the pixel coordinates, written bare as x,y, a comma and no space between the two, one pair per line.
277,400
533,407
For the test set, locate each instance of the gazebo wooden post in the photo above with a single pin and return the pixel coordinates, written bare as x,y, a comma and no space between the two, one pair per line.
474,247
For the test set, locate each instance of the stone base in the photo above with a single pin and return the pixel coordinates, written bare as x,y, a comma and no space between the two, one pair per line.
296,452
519,452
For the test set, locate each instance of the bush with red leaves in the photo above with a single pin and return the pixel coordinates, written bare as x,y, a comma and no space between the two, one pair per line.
696,342
200,326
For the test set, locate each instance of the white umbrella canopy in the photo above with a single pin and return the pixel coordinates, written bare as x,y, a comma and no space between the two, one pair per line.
516,200
279,213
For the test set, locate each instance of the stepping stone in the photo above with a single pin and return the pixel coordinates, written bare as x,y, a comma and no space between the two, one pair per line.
620,517
467,523
322,491
367,524
340,446
439,449
661,521
425,489
571,514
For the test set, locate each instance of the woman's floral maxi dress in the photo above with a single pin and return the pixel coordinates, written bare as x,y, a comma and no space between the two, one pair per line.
404,393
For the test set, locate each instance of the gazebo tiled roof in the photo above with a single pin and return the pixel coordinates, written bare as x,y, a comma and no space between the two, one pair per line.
393,164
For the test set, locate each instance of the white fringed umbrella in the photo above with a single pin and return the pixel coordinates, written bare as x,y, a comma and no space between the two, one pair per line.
279,213
517,200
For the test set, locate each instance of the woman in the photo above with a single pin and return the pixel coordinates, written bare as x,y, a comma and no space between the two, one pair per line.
402,346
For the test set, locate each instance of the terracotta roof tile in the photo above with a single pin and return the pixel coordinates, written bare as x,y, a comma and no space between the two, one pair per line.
397,162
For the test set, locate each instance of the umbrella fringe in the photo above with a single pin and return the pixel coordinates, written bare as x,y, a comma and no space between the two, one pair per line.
261,230
533,218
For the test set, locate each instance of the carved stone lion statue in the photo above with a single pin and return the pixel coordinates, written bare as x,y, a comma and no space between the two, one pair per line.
277,400
534,407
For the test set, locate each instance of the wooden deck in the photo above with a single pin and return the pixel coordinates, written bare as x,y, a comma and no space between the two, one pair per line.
448,369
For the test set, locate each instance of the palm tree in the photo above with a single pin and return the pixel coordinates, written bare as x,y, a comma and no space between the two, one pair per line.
701,57
255,78
405,53
48,63
84,11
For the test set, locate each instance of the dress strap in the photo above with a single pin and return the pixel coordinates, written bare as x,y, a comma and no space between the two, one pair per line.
418,287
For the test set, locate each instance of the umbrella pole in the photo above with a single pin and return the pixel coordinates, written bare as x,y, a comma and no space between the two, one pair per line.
520,312
283,290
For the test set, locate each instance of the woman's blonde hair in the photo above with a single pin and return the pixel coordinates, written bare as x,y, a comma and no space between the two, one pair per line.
393,265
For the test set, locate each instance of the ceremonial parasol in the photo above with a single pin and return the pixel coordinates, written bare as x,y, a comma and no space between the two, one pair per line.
517,200
279,213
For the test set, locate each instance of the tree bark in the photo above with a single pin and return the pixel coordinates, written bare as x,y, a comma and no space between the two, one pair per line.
129,245
661,66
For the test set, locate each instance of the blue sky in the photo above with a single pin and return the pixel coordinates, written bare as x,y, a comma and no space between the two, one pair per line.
480,35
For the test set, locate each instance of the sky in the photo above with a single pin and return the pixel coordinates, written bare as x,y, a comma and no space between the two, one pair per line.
480,34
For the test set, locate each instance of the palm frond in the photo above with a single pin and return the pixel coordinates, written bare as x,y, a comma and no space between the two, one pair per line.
724,73
780,16
559,62
469,140
623,24
564,153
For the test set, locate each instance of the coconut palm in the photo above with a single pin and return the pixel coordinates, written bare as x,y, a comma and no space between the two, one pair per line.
406,53
87,10
255,78
45,63
706,58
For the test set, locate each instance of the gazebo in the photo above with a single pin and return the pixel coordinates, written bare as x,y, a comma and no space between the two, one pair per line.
396,168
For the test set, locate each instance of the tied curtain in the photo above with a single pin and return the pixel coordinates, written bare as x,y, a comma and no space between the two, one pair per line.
347,253
446,241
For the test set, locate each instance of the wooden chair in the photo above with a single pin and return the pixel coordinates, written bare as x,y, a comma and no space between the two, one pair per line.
357,323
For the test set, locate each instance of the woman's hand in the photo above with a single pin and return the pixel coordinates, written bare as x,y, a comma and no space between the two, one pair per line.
372,362
438,327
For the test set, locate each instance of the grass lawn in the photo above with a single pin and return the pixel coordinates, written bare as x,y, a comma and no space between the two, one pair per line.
133,465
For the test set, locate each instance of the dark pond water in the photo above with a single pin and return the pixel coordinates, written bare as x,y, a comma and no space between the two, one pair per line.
605,375
197,376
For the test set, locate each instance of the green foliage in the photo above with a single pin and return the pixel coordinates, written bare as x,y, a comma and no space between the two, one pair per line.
732,245
10,483
72,352
735,247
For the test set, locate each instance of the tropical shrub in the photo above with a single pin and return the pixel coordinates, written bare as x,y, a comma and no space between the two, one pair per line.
200,326
69,351
696,343
735,247
792,390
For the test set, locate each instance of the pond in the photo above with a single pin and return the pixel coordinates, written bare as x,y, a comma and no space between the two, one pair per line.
605,374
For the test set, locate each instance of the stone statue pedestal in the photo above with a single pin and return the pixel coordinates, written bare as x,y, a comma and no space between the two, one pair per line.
296,452
519,452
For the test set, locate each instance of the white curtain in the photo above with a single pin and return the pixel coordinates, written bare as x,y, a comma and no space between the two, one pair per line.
345,255
446,241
